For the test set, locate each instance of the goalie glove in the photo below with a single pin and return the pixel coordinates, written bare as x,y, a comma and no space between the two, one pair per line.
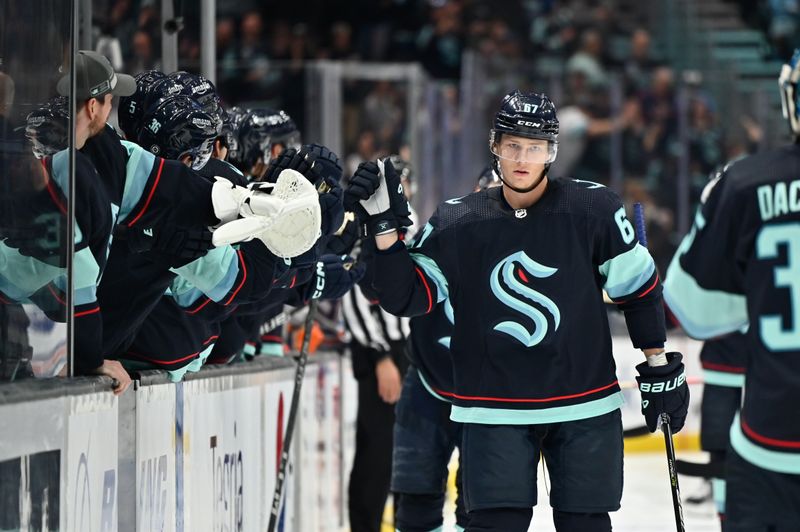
375,194
285,216
664,391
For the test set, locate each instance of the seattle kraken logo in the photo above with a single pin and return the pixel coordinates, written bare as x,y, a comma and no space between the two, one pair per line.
523,265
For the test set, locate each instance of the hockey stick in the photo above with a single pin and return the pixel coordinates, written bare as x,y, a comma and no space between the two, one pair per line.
302,358
638,215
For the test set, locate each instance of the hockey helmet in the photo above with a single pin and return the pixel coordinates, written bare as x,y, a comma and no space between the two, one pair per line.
201,90
526,114
178,126
47,128
131,108
262,129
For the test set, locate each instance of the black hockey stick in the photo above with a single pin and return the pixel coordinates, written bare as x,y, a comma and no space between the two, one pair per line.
302,358
638,215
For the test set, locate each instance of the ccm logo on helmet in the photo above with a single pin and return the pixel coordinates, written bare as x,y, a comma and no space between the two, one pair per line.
659,387
528,123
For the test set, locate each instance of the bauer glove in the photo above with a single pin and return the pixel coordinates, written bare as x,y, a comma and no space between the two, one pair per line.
664,391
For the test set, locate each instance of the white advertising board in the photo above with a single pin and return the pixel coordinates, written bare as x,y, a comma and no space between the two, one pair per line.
91,483
31,471
277,401
222,451
155,458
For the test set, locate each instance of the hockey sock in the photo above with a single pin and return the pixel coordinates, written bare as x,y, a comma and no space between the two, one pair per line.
418,512
575,522
500,520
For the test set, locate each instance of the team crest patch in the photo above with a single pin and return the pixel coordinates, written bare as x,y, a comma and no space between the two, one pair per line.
509,283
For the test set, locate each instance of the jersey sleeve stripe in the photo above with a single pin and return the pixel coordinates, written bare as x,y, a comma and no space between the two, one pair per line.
628,272
427,289
149,196
137,172
434,273
214,274
87,312
241,284
702,313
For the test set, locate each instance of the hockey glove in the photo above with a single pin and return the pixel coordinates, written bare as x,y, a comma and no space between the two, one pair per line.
664,391
299,160
335,275
376,196
343,241
176,246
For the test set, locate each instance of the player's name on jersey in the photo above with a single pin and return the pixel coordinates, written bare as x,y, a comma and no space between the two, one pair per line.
778,199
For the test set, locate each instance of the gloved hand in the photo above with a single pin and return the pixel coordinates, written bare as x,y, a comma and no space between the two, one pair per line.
321,167
342,243
176,246
330,203
375,194
664,391
335,275
300,160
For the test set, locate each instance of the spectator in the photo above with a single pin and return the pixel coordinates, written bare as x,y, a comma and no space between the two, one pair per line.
588,60
143,54
639,65
441,42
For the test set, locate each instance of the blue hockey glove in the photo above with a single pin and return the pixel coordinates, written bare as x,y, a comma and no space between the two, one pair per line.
335,275
664,391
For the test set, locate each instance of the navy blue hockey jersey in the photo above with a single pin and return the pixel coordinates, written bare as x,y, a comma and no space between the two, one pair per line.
530,341
740,265
724,360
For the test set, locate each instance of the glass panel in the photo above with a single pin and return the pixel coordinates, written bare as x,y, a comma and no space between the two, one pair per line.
34,41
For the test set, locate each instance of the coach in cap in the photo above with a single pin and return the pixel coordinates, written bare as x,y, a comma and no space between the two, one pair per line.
95,85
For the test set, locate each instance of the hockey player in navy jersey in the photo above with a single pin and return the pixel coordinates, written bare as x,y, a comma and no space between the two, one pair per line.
424,435
740,266
523,266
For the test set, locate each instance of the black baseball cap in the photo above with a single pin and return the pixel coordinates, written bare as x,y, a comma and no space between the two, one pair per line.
94,77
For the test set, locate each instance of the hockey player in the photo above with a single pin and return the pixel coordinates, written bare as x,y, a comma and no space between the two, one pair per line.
378,351
165,202
739,267
34,266
523,266
192,143
263,135
424,435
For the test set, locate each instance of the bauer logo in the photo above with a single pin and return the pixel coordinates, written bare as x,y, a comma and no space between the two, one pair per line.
510,284
658,387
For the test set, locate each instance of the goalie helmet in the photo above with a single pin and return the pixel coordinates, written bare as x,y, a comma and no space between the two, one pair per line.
178,126
261,130
788,82
47,128
131,108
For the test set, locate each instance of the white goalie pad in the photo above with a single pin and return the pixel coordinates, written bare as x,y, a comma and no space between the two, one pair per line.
288,220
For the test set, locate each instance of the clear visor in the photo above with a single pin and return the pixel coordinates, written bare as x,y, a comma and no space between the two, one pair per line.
201,154
543,152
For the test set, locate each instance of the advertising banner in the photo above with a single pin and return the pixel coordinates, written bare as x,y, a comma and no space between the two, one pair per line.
30,465
155,458
91,483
